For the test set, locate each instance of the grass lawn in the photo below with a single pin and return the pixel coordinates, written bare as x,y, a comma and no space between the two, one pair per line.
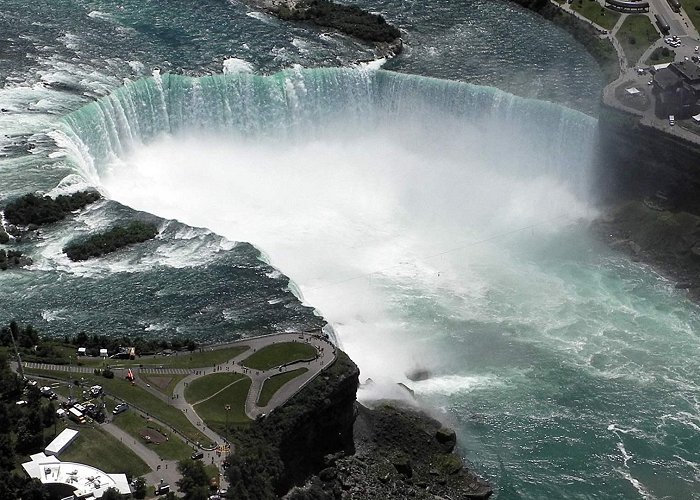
213,410
194,359
689,6
657,56
163,383
279,354
636,35
97,448
273,384
208,385
594,11
172,449
139,397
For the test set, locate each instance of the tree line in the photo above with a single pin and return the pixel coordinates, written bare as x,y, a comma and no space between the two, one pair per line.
110,240
39,210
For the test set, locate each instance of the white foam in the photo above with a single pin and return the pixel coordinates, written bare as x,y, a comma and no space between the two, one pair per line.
641,489
452,384
233,66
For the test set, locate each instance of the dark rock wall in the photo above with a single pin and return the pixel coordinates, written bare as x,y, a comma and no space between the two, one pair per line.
637,162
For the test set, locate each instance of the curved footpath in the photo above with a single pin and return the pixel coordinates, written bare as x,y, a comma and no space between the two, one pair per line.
167,470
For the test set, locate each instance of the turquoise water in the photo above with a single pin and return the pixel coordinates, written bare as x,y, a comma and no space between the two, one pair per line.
432,223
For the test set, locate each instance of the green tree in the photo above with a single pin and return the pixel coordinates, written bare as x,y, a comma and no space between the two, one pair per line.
34,490
138,489
193,478
112,494
7,452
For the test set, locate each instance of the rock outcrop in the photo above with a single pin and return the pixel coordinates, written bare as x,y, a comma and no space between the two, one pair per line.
322,444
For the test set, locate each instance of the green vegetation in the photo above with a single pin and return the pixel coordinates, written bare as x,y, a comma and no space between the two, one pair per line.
636,35
172,449
205,358
194,483
278,354
137,396
268,448
692,8
165,384
110,240
274,383
213,410
33,209
207,386
101,450
661,55
348,19
592,10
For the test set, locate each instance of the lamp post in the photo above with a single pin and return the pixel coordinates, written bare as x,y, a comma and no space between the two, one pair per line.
228,409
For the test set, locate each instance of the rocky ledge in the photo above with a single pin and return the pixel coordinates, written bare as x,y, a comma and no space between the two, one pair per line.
347,19
323,445
400,453
649,232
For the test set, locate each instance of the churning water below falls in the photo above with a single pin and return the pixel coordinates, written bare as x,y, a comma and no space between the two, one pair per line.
436,225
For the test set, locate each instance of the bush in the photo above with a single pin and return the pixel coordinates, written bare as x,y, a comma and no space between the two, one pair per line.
33,209
110,241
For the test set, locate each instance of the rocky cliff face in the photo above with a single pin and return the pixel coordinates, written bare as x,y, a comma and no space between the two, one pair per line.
323,445
638,162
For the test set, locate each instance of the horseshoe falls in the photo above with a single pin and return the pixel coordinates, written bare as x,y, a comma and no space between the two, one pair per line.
423,217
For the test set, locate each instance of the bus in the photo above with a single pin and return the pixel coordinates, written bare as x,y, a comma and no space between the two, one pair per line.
76,415
662,24
675,5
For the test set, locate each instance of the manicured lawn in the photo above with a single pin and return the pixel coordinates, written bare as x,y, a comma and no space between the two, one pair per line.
97,448
213,410
689,6
165,384
278,354
658,57
208,385
133,423
636,35
208,357
594,11
139,397
273,384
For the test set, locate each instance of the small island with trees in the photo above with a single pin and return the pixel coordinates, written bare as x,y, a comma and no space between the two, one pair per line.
348,19
111,240
34,210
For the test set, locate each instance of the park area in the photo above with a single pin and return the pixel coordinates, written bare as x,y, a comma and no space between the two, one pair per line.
636,35
594,11
276,355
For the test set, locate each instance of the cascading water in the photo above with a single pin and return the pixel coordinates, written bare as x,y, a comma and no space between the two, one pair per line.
435,225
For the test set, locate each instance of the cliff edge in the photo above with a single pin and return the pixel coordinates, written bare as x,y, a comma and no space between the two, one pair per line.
323,445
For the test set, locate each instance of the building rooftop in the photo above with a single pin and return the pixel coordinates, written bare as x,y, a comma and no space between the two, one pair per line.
61,442
85,479
689,70
665,78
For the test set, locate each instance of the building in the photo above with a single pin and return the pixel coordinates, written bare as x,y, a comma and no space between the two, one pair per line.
677,89
61,442
74,480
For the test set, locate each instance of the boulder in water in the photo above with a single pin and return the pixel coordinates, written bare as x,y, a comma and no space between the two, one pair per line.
418,374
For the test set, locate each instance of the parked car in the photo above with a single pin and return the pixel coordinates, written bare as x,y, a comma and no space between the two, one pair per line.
197,455
120,408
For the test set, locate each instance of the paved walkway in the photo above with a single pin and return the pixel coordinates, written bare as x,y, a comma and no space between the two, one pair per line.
325,356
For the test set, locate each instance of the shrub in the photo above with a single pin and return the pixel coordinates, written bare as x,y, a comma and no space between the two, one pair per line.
110,240
33,209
